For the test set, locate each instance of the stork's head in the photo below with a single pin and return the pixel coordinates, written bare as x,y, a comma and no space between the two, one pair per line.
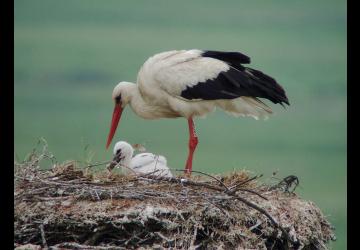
121,96
123,152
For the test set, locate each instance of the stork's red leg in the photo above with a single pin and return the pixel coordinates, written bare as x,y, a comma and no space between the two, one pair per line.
193,141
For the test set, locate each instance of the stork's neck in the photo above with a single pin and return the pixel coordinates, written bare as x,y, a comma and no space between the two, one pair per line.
127,159
137,102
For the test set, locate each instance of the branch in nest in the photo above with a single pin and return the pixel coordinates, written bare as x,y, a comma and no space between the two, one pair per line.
208,175
73,245
235,188
43,236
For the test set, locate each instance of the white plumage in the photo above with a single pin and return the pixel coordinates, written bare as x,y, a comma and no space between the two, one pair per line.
164,76
191,83
141,163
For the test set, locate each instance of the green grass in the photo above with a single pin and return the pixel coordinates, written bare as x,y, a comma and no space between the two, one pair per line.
70,54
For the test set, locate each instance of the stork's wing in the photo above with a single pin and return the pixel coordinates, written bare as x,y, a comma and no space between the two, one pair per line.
145,159
212,75
232,58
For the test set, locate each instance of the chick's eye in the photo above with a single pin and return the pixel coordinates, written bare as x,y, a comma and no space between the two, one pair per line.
118,99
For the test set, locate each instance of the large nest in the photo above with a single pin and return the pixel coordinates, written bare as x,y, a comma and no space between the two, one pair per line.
71,208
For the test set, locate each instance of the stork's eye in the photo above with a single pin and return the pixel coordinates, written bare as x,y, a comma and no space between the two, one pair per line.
118,99
118,151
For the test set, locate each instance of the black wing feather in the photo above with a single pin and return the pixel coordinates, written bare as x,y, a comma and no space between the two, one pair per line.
232,58
236,82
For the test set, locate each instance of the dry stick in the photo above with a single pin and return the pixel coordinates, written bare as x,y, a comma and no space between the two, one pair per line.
233,189
98,164
253,192
99,232
123,166
184,182
192,183
256,225
43,236
228,191
263,211
163,237
53,198
222,210
208,175
79,246
194,237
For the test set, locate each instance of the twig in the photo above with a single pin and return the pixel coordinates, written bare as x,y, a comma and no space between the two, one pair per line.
253,192
234,188
163,237
79,246
263,211
99,232
194,237
208,175
256,225
185,182
52,198
97,196
97,164
43,236
222,210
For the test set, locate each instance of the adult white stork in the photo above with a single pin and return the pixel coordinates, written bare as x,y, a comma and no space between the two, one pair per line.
145,163
190,83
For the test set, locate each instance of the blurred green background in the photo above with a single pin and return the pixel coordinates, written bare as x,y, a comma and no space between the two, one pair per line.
70,54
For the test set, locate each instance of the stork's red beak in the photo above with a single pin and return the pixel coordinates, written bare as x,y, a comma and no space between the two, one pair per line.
114,122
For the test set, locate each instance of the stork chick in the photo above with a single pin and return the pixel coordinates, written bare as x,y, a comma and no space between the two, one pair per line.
145,163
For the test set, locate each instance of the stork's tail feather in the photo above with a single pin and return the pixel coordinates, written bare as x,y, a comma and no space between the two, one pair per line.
246,106
258,103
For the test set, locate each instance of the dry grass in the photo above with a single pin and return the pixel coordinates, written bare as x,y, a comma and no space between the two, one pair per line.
71,208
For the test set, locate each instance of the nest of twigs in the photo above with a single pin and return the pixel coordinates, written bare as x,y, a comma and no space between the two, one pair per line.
71,208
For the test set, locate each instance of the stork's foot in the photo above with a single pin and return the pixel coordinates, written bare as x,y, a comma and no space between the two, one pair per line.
188,166
187,172
193,141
